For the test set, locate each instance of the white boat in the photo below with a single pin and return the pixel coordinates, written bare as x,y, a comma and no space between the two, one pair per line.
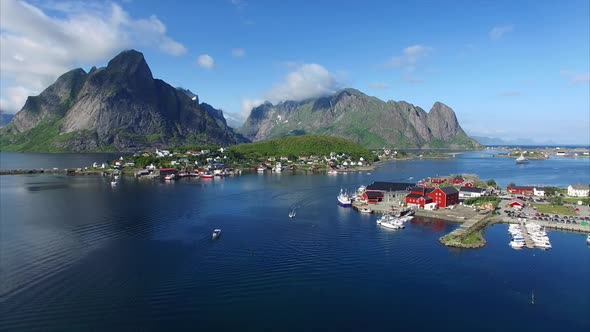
278,168
344,199
114,183
588,239
261,169
365,210
216,234
522,159
169,177
292,213
516,244
332,172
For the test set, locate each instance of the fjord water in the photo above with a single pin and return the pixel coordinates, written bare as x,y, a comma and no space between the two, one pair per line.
76,254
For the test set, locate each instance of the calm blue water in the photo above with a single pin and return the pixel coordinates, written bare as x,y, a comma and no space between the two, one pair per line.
76,254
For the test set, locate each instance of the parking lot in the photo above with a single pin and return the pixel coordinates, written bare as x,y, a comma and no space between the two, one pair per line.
582,213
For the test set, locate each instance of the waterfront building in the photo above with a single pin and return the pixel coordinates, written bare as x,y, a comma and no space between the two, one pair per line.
470,192
521,190
578,190
445,196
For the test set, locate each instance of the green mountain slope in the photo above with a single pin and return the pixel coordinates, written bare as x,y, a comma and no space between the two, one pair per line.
365,120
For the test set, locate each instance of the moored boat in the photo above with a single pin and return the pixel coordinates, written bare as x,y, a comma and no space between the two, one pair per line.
344,199
365,210
207,175
588,239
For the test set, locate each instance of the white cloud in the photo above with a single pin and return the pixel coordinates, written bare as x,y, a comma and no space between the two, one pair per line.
238,52
205,61
303,82
574,77
409,58
498,32
37,47
306,81
379,86
14,98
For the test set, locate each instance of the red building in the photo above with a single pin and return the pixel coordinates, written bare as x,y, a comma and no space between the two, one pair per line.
373,196
438,180
418,199
521,190
458,180
468,184
445,196
517,205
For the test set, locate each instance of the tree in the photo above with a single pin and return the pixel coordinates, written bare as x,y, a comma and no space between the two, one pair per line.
556,201
511,184
492,183
550,191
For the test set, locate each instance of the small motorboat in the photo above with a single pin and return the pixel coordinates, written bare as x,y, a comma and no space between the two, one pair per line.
216,234
207,175
292,213
588,239
365,210
114,183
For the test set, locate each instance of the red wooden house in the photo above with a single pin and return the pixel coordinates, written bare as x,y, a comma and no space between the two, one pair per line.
417,199
458,180
373,196
438,180
521,190
445,196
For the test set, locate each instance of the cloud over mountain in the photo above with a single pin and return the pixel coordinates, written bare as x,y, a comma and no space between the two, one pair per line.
37,47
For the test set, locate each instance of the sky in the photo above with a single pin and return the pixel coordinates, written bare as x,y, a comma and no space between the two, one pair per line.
509,69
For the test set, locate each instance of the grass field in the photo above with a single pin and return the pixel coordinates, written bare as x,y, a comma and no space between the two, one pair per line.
555,209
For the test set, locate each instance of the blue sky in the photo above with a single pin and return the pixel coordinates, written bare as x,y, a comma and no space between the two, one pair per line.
512,69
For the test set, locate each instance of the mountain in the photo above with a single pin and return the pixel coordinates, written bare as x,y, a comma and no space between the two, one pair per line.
120,107
5,118
366,120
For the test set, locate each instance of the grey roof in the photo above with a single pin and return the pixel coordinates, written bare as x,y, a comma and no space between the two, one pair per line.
580,186
472,189
448,190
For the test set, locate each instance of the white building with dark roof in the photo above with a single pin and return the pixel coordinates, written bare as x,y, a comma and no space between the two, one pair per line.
578,190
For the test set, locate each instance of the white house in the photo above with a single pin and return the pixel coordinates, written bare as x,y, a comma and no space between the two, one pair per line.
539,192
470,192
578,190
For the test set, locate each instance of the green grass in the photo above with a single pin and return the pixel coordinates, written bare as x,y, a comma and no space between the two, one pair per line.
302,145
555,209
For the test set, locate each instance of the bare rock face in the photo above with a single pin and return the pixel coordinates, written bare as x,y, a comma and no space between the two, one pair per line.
53,102
120,107
442,122
363,119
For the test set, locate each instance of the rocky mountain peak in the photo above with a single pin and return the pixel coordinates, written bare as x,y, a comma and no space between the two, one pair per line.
442,121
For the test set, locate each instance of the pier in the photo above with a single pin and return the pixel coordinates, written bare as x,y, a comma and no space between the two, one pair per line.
578,228
527,238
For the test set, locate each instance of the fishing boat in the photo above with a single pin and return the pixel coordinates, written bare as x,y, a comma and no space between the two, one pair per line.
344,199
216,234
522,159
292,213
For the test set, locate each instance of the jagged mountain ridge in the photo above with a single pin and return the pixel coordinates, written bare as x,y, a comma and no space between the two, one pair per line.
118,107
363,119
